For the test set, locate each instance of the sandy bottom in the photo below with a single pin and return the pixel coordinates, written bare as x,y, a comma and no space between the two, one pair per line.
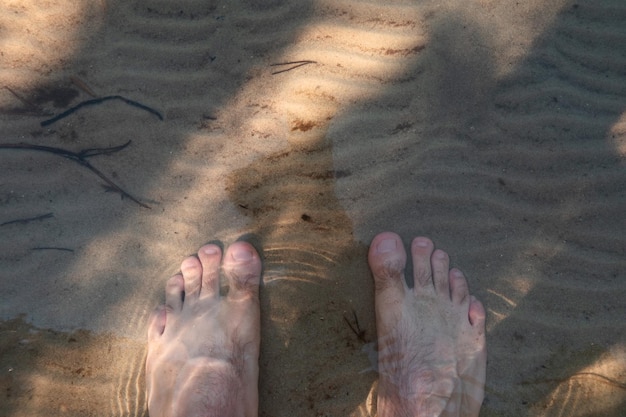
497,128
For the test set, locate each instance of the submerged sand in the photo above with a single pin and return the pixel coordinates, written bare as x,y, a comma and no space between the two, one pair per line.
497,128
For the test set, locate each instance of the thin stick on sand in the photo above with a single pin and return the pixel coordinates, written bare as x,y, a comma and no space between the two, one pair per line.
28,219
81,159
100,100
294,65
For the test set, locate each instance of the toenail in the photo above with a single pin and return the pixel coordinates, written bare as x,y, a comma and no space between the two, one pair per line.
387,245
242,254
421,242
210,250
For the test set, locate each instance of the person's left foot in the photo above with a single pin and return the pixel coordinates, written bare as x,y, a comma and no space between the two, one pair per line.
203,348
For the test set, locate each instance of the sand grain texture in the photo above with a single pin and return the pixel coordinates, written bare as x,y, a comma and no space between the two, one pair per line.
497,128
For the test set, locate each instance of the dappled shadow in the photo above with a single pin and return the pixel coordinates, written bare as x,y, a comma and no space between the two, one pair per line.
442,139
518,177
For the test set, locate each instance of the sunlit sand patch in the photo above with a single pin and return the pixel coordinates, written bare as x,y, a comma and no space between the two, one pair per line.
67,373
61,29
355,62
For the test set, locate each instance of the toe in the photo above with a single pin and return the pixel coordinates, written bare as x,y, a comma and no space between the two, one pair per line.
477,314
421,252
387,260
210,256
174,293
191,269
441,270
156,324
242,267
459,291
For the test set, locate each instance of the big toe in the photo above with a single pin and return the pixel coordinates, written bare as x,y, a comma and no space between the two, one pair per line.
242,267
387,260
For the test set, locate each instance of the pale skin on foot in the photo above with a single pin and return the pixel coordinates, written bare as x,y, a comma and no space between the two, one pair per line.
203,351
203,347
431,338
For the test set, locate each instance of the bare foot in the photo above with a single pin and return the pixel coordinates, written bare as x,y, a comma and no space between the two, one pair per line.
203,348
431,338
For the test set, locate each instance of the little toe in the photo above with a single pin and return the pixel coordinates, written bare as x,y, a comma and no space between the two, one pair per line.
156,324
191,268
242,267
459,291
210,256
421,251
477,314
174,293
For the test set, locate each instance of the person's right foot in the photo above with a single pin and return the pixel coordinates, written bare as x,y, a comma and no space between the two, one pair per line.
431,338
203,347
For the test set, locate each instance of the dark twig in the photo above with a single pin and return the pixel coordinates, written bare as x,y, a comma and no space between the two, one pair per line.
29,219
295,64
98,101
81,158
86,153
360,333
52,248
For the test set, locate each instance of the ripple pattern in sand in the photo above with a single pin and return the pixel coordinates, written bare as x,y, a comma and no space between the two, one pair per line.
526,165
534,172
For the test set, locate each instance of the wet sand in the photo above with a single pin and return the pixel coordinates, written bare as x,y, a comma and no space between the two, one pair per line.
496,128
